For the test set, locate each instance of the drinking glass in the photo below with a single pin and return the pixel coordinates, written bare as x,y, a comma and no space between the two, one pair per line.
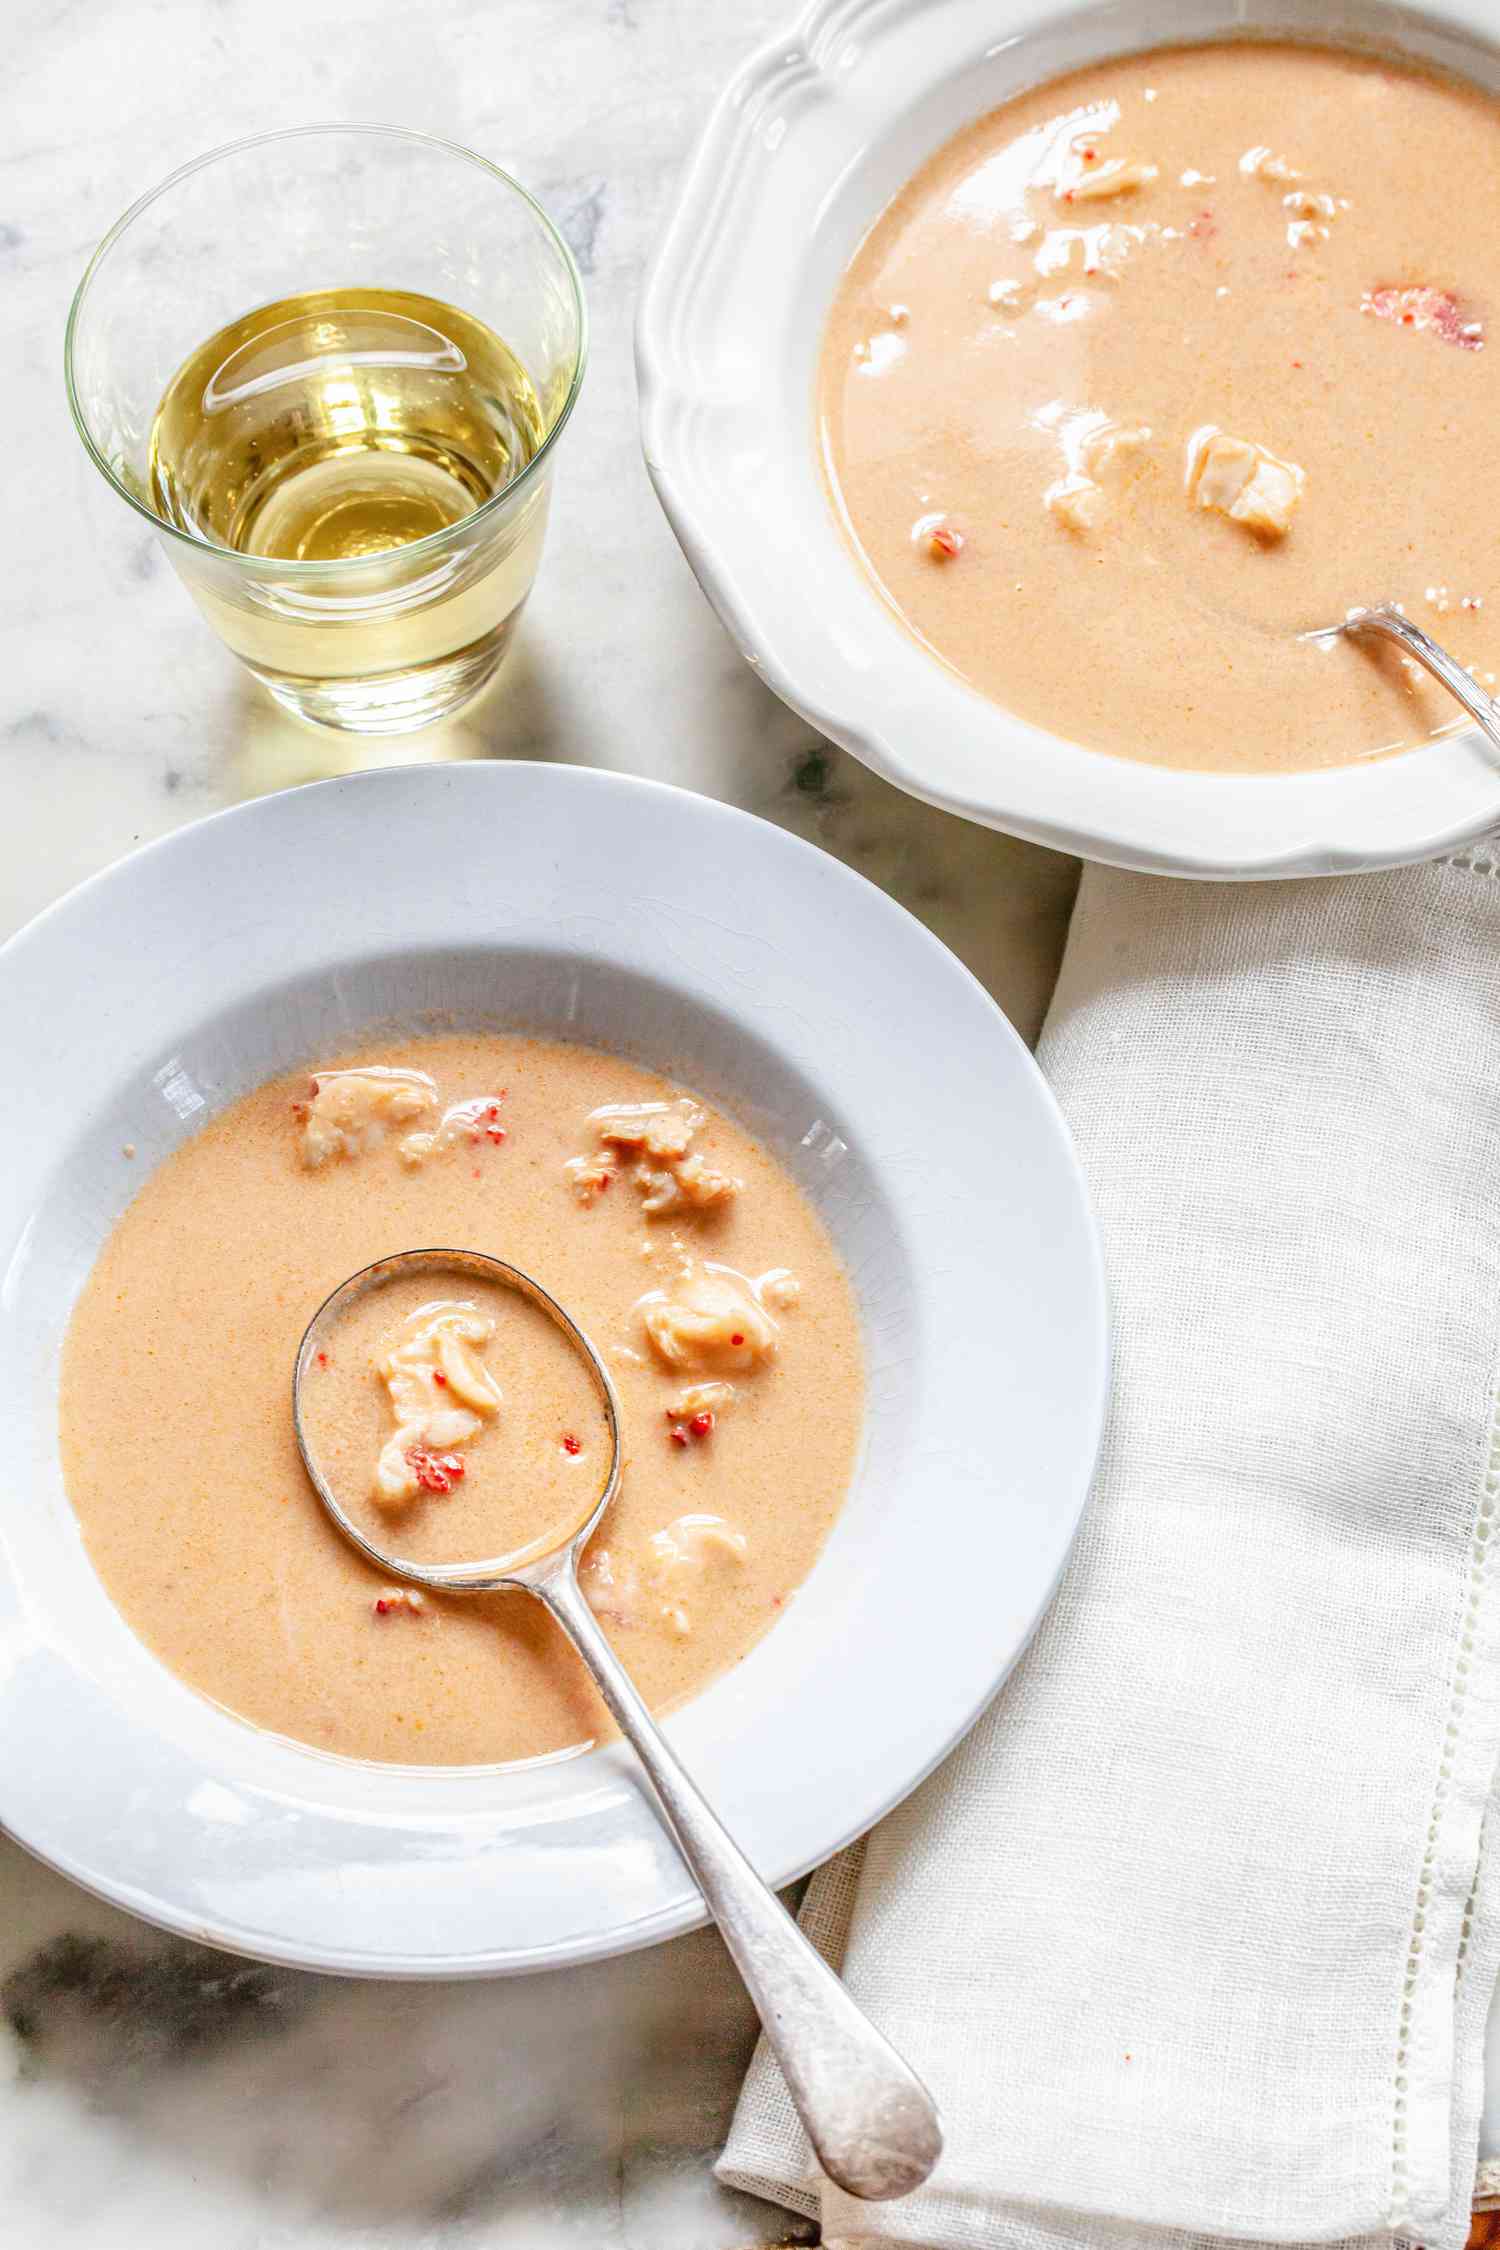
386,641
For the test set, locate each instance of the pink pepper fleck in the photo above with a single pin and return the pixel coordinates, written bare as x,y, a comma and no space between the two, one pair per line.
1436,310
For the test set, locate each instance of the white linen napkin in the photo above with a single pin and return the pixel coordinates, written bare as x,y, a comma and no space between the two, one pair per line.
1193,1936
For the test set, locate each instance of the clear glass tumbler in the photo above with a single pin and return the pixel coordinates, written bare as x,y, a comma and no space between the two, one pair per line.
392,638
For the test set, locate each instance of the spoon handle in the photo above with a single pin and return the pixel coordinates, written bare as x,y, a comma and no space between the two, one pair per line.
871,2121
1387,623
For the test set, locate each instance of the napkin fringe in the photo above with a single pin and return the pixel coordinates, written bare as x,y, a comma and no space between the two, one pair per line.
1476,2183
1408,2033
1477,861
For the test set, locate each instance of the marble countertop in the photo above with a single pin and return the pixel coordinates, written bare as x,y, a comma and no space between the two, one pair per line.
152,2094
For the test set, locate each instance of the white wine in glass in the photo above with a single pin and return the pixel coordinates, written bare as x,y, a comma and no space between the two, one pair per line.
341,417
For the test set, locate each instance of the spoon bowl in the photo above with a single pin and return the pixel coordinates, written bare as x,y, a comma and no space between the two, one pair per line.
490,1574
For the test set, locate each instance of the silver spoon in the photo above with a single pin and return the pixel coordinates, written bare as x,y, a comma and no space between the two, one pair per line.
1383,621
871,2121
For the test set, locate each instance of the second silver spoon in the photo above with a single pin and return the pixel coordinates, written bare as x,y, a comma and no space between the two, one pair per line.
1383,621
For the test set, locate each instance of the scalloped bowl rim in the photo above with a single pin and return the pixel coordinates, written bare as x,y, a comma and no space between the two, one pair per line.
829,118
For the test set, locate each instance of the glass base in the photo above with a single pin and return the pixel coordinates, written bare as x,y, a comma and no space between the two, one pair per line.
392,702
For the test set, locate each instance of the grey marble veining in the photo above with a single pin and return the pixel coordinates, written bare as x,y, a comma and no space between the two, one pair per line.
154,2093
154,2097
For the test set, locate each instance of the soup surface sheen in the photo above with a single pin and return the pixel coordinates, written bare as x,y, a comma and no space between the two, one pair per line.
673,1238
1161,364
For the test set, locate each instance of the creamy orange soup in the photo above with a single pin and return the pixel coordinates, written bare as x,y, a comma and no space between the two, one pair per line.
1156,367
674,1239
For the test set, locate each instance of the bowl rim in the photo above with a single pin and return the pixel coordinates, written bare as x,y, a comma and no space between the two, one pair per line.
1374,814
377,790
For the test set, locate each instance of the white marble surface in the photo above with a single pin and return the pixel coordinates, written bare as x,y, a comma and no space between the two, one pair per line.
152,2095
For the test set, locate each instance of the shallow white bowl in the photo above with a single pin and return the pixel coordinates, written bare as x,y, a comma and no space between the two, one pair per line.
750,966
806,146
